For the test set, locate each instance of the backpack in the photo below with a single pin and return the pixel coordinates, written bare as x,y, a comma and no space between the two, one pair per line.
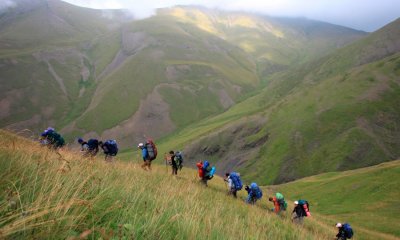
236,181
305,203
256,190
92,144
151,149
348,230
211,173
281,201
179,159
112,147
206,164
55,139
200,167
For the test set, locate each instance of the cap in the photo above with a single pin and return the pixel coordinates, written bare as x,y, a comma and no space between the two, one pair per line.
338,225
80,140
296,202
140,145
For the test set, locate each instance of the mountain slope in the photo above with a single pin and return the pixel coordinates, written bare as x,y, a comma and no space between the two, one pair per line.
312,119
60,196
355,196
111,77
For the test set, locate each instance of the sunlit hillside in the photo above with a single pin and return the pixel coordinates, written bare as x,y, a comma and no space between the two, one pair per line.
338,113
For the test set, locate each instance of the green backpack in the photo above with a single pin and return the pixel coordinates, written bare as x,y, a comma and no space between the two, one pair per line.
281,201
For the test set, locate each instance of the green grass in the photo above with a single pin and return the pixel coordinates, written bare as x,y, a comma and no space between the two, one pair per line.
367,198
53,196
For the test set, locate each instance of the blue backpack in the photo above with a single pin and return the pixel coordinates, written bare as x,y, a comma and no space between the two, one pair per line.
93,144
206,164
348,230
111,147
236,181
211,174
256,190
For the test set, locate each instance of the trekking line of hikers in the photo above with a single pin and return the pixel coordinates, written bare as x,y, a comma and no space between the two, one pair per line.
206,172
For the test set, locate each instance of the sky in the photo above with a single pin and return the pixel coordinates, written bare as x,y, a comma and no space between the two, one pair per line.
366,15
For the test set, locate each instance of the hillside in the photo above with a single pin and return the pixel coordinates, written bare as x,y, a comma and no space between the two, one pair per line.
65,66
61,196
359,196
339,112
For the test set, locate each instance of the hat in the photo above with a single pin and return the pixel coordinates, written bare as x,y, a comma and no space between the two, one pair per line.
80,140
296,202
140,145
338,225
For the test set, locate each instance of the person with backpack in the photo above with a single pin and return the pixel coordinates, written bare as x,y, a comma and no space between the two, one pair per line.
234,183
179,159
89,148
145,156
344,231
110,149
149,153
300,210
51,139
173,163
279,203
207,171
254,193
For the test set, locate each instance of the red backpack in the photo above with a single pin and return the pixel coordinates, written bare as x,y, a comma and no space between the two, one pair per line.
151,149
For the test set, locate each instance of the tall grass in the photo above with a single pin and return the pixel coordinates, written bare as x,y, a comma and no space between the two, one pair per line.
46,195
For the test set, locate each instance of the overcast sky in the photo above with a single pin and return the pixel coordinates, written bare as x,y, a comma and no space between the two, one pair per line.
367,15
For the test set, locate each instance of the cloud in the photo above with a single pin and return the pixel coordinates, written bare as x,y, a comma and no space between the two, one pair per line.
367,15
4,4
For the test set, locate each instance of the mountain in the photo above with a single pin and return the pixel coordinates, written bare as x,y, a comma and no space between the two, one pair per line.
100,73
335,113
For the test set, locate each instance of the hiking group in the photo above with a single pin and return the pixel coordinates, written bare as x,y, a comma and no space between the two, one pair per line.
90,148
53,140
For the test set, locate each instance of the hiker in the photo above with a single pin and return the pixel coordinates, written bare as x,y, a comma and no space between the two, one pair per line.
179,159
149,153
206,172
110,149
254,193
234,183
173,162
300,210
89,148
51,139
279,203
146,162
344,231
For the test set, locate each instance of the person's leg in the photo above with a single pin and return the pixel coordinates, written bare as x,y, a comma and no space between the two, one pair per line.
234,193
144,165
148,165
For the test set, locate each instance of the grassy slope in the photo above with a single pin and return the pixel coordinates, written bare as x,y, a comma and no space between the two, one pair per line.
368,198
48,196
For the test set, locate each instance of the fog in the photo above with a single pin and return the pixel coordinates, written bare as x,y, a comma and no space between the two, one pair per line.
367,15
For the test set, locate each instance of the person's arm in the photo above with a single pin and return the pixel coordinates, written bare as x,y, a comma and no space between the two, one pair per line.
229,182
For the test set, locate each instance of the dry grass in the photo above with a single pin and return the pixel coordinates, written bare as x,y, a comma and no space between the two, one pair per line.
46,195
